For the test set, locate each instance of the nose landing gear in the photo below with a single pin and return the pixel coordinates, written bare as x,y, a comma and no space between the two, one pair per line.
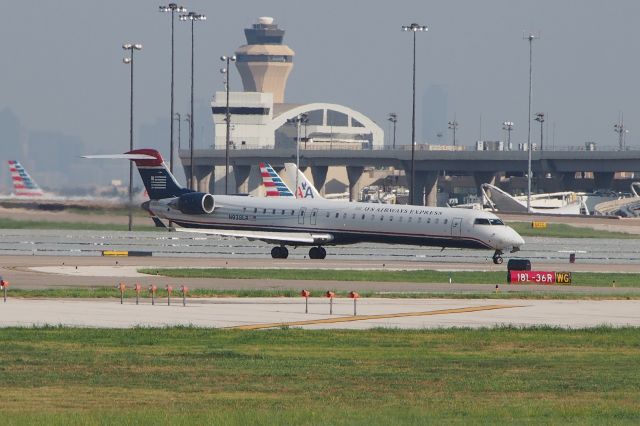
279,252
317,253
497,257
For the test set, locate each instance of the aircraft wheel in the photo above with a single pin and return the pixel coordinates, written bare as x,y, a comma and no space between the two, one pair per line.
279,252
497,260
314,253
322,253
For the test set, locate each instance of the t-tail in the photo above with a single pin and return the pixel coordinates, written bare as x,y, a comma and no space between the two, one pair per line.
157,179
23,184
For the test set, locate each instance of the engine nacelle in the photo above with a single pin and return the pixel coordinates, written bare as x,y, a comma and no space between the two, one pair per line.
196,203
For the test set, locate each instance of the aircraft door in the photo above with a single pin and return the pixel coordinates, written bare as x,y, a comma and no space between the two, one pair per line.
314,214
301,215
456,227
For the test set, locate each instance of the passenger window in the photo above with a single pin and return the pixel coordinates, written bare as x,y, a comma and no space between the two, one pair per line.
353,216
244,209
337,215
328,214
301,212
390,218
264,211
428,220
446,221
283,211
437,220
362,217
293,212
409,219
420,220
381,217
313,214
274,211
255,210
344,215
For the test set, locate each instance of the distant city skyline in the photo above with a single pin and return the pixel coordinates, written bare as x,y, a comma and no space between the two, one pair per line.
64,79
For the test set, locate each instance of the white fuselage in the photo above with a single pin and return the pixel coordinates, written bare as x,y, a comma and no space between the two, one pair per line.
349,222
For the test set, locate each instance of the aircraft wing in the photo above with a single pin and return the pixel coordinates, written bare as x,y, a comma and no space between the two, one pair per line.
269,237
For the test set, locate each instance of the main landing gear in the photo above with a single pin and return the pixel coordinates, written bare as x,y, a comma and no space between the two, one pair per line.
497,257
279,252
317,253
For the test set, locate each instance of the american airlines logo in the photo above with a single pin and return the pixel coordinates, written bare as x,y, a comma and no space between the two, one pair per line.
158,182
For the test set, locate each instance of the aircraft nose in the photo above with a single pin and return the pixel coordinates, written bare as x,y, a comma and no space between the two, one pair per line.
515,239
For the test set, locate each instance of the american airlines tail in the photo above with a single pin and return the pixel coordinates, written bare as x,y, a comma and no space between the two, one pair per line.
304,188
23,184
273,182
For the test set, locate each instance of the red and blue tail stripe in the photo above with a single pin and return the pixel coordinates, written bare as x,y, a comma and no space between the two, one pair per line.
23,184
273,183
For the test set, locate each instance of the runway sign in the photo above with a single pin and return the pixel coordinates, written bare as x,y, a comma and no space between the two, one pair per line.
539,225
539,277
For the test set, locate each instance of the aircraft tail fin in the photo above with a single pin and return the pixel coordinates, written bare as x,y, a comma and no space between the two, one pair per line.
157,179
304,188
273,183
23,184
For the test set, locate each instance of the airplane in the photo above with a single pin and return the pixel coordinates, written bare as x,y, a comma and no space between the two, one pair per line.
286,221
23,184
558,203
277,188
305,189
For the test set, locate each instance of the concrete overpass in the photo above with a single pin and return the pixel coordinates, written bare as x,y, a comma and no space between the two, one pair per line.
429,164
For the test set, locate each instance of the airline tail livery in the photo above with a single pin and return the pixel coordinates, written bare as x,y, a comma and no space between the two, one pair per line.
23,184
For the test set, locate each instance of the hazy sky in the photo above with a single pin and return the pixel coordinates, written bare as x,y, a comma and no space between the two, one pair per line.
62,64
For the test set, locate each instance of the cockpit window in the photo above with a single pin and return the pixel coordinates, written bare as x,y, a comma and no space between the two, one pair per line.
481,222
496,222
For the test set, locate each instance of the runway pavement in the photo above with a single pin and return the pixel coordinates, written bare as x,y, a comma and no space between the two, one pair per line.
261,313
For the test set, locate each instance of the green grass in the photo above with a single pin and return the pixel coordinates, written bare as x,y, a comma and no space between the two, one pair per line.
44,224
561,230
421,276
188,375
112,293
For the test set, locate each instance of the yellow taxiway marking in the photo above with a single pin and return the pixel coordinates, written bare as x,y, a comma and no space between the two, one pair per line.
372,317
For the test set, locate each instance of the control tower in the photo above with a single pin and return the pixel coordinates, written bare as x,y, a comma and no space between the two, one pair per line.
264,63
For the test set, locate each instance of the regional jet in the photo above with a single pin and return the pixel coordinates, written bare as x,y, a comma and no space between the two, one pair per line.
287,221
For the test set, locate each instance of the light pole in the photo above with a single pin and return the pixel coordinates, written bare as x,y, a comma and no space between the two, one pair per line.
530,38
393,118
193,17
131,47
621,130
540,119
453,125
177,118
414,28
297,120
508,126
173,8
227,83
187,118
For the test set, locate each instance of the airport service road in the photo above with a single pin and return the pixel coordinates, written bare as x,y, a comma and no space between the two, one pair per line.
174,244
264,313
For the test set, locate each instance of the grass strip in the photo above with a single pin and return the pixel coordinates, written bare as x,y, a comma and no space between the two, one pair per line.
419,276
562,230
503,293
184,375
6,223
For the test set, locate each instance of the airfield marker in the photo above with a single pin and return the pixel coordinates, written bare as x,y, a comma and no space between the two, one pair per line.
184,289
4,284
306,294
169,290
354,296
152,290
137,288
330,295
122,287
